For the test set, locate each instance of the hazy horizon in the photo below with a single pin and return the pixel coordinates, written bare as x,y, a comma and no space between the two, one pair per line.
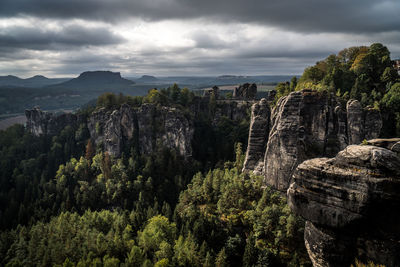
71,76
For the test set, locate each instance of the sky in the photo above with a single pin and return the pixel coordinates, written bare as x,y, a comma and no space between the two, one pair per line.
62,38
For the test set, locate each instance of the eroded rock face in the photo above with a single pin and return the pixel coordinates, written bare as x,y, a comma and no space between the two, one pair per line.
146,126
258,137
44,123
308,124
351,205
245,91
305,124
236,110
354,118
372,123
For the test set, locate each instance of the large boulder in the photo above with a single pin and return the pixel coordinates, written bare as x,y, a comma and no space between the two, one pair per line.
350,203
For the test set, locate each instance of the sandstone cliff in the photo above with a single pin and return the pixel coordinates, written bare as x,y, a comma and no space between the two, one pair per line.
40,122
258,137
307,124
351,205
245,91
146,126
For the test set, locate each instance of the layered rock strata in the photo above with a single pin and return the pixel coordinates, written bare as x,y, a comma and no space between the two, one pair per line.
146,126
307,124
350,203
258,137
43,123
245,91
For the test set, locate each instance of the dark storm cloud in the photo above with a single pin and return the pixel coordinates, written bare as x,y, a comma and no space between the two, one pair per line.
206,40
38,38
306,15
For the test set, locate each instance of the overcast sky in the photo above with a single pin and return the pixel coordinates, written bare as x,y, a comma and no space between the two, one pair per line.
60,38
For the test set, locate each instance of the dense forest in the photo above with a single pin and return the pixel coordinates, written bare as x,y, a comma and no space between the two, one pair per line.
66,202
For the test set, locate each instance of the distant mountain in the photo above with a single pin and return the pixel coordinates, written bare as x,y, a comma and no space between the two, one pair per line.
97,80
9,80
147,79
33,82
230,77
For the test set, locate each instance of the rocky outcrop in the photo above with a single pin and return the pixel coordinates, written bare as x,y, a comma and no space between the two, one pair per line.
211,91
245,91
258,137
236,110
146,126
388,143
44,123
305,124
354,118
308,124
298,132
351,205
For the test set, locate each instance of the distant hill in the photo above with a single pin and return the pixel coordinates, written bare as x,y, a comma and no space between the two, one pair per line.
33,82
17,94
97,80
147,79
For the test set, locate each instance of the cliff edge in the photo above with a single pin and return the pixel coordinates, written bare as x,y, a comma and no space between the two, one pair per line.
350,203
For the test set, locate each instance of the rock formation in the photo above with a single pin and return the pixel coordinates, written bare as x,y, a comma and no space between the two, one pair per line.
258,137
308,124
235,110
44,123
351,204
245,91
146,126
212,91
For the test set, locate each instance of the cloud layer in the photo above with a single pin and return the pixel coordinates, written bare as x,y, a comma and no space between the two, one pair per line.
306,15
187,37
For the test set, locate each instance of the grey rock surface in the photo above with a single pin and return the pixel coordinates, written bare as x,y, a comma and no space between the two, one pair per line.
351,203
44,123
354,121
303,125
245,91
146,126
258,137
149,124
299,131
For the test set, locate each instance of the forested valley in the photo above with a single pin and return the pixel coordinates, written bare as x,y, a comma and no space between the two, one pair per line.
66,202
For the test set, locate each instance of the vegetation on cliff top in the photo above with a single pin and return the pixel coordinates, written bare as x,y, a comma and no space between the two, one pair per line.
363,73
